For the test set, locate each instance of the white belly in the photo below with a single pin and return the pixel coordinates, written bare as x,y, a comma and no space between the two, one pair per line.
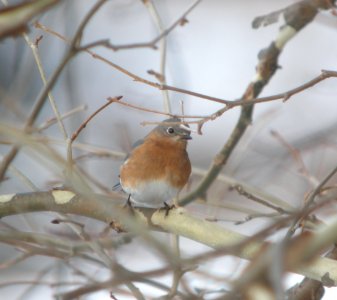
152,194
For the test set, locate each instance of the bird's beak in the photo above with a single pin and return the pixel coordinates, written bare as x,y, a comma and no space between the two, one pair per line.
186,137
187,128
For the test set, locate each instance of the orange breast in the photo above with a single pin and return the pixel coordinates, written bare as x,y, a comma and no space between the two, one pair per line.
157,159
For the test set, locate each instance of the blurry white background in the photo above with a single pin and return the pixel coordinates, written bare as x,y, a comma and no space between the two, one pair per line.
214,53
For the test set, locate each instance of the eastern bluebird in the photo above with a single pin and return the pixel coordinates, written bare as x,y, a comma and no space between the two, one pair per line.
158,166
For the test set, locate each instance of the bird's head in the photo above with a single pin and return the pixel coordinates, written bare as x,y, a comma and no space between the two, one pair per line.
174,129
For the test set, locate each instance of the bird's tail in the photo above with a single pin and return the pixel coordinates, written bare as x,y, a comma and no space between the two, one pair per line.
117,187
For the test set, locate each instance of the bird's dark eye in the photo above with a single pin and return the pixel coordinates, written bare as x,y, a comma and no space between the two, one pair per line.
170,130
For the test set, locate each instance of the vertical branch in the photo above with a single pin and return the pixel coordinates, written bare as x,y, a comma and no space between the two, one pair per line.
36,55
162,76
296,16
72,51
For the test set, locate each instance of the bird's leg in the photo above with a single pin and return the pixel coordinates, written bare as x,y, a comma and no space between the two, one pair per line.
128,202
128,205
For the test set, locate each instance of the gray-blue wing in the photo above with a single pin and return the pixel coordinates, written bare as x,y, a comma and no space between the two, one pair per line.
135,145
117,186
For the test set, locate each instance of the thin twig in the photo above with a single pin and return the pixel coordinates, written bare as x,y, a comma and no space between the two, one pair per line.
156,112
72,51
295,153
309,202
85,123
39,282
229,104
258,215
37,58
250,196
16,260
151,44
25,179
135,291
163,48
68,114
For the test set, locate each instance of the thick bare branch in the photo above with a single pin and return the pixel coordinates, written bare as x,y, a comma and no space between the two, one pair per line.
177,222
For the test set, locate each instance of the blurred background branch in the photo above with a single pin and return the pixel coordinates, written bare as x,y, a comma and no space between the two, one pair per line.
240,175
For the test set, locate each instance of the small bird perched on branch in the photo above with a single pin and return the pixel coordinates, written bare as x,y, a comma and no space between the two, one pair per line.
158,166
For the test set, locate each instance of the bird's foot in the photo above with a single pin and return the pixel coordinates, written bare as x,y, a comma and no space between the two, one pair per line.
167,208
